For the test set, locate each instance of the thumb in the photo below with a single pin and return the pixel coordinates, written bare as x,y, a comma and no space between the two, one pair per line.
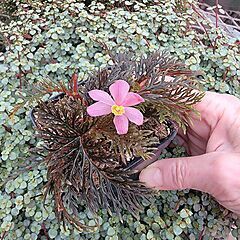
180,173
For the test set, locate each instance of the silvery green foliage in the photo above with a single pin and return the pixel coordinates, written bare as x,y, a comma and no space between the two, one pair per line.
54,40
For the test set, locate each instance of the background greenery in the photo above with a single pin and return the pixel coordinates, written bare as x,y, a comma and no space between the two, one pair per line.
53,38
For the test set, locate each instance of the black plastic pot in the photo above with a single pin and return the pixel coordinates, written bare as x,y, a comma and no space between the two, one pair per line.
55,98
137,163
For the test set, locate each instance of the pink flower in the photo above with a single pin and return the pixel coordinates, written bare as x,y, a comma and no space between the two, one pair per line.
119,105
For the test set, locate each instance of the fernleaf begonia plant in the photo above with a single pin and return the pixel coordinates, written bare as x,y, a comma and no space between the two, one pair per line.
89,147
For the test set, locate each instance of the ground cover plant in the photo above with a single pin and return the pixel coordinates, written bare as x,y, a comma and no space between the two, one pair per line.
53,39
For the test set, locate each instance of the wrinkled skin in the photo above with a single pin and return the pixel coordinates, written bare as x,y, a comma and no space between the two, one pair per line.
214,145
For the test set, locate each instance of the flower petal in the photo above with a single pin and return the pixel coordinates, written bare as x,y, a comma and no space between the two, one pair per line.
99,109
134,115
132,99
121,124
119,91
101,96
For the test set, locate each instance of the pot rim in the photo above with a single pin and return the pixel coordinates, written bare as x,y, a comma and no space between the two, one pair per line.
32,117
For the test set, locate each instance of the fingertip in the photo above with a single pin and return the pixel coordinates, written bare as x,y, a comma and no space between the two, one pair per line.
151,176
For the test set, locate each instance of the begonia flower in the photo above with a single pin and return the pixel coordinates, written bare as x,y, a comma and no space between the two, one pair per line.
120,104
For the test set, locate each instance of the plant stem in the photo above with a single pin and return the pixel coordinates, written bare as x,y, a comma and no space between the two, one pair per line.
45,231
4,235
216,13
201,234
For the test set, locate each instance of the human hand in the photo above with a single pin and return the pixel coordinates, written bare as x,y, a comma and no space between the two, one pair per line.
214,143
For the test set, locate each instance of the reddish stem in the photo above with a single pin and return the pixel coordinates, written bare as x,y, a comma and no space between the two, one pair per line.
45,231
216,13
201,234
217,18
225,74
75,83
20,73
204,28
148,44
7,129
4,235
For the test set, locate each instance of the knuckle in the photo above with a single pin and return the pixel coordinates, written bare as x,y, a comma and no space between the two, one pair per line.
219,170
179,173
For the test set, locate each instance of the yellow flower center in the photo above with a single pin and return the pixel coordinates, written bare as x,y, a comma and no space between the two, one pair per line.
117,110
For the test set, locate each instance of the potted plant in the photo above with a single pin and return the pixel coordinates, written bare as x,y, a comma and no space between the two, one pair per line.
100,132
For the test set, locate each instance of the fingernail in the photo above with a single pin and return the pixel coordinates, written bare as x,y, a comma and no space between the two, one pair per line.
152,177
